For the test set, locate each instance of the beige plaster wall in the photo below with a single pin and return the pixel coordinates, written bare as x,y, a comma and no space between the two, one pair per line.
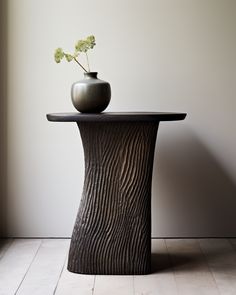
3,117
158,55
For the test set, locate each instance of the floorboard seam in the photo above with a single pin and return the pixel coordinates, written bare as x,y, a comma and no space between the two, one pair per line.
60,275
94,281
171,265
28,268
208,266
231,244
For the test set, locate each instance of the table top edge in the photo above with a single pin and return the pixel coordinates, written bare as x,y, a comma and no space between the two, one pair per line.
114,117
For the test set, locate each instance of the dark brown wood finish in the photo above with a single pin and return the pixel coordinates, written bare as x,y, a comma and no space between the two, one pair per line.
112,232
115,117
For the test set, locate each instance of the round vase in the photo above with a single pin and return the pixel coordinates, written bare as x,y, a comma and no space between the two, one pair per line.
90,95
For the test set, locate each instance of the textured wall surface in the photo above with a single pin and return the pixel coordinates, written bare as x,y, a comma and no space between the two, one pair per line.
3,117
158,55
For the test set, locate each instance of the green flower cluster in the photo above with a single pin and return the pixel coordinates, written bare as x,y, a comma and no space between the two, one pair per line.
85,45
80,46
58,55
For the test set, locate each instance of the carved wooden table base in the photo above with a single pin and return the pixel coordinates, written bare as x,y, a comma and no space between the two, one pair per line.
112,232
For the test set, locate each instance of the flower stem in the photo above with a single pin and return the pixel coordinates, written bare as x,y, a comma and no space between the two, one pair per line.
80,64
87,61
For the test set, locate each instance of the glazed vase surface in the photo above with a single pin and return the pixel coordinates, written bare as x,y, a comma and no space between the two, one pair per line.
91,95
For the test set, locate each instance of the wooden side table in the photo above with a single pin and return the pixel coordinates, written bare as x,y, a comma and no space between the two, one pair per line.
112,232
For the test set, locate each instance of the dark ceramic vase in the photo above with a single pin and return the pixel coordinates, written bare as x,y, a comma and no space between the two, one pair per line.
90,95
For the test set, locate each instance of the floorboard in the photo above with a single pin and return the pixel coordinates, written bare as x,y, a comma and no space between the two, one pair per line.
75,284
4,245
180,266
115,285
161,281
221,258
44,272
15,264
192,274
233,243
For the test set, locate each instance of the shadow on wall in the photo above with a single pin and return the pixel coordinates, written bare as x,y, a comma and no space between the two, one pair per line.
3,116
193,195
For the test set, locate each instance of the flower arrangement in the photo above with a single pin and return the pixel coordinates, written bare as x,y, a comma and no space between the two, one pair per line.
81,46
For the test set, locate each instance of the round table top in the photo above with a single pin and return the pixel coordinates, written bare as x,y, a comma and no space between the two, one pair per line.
115,117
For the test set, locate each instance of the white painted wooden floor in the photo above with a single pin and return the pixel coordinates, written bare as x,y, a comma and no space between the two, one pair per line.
180,266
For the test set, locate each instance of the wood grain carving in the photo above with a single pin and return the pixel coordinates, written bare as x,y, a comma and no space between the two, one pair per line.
112,232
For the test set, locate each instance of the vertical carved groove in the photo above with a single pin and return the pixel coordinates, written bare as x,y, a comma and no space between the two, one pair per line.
112,232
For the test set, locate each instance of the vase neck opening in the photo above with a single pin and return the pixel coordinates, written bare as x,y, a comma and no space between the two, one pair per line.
89,75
